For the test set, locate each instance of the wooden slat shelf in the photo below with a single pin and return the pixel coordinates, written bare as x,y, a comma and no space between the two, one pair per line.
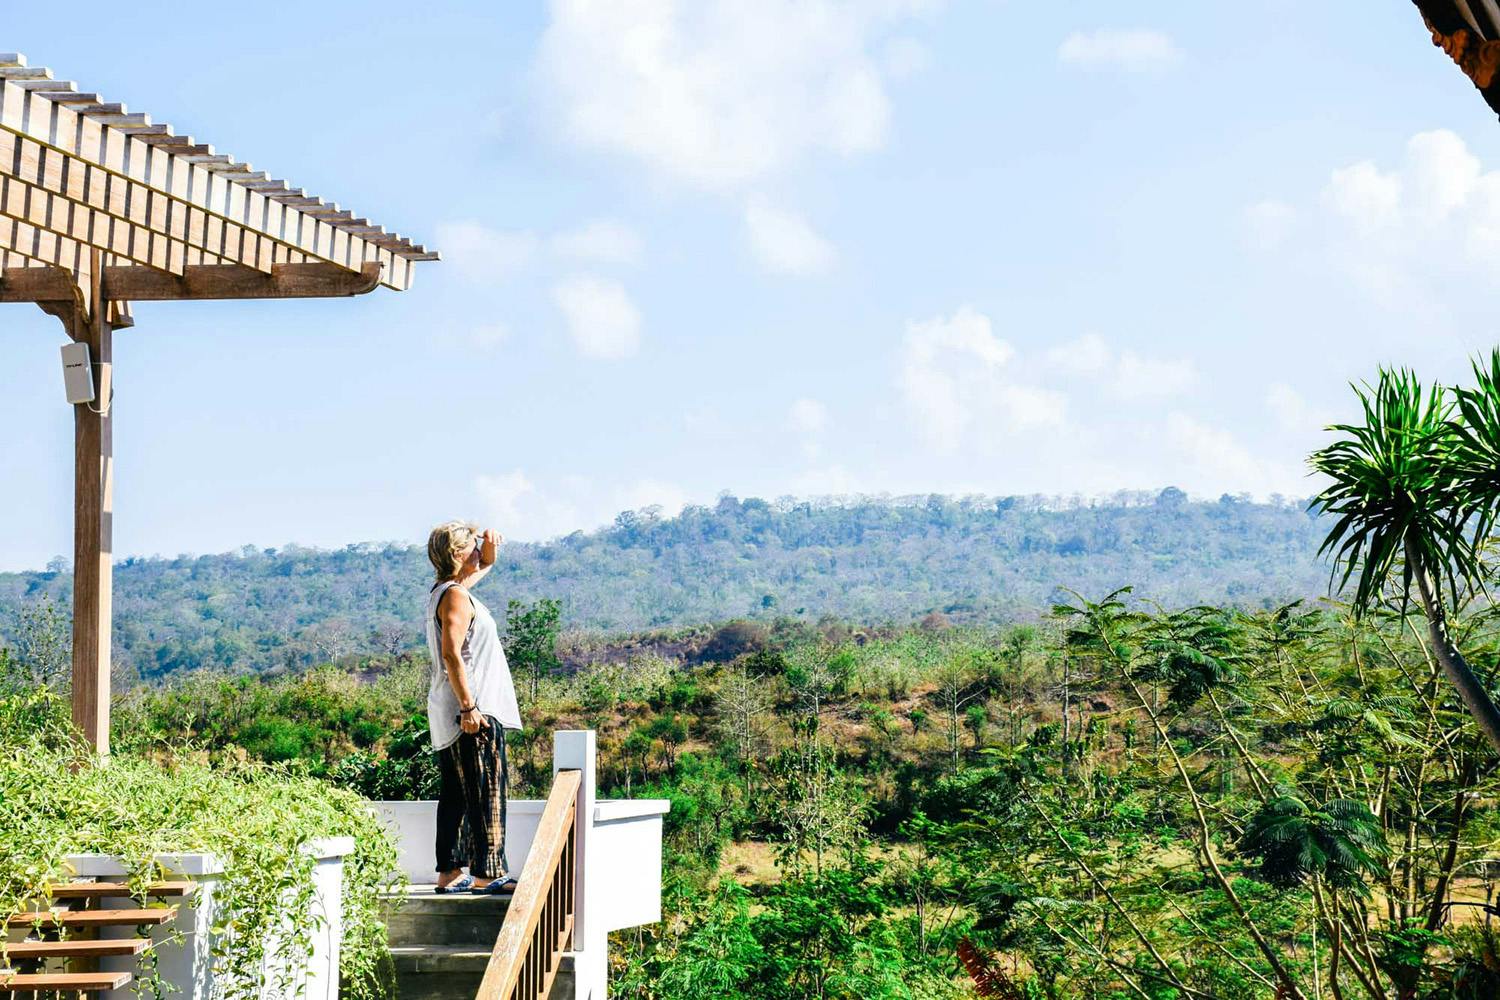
91,918
103,890
76,949
30,983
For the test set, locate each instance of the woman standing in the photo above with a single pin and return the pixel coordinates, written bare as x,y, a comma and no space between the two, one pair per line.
470,703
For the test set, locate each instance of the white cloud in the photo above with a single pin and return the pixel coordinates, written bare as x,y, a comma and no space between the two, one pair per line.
525,510
1215,458
783,242
1419,236
1442,173
1292,412
1125,376
1138,378
483,254
808,418
1268,223
955,382
718,92
1367,198
603,240
1134,50
905,57
501,496
1088,355
602,320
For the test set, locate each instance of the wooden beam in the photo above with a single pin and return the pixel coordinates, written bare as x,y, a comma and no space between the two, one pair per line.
93,528
37,284
232,281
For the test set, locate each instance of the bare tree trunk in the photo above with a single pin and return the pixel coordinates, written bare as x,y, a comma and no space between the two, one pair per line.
1470,690
1066,729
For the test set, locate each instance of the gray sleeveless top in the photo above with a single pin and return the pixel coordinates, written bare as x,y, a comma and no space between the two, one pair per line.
484,663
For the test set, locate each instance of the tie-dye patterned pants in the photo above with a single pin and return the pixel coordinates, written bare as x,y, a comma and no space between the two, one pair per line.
473,783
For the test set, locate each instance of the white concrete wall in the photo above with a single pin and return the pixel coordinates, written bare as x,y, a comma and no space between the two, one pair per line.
414,825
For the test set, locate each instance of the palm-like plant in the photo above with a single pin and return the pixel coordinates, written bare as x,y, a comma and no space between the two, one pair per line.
1341,843
1411,488
1193,651
1476,451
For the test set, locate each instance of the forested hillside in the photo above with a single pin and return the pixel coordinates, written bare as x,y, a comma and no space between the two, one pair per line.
976,559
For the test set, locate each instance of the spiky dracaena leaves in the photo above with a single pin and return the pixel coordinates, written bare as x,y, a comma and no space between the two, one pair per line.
1396,492
1476,444
1341,842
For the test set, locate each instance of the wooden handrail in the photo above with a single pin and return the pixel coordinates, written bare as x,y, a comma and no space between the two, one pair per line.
539,923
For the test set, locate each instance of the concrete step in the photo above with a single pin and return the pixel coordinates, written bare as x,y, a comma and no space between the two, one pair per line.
421,917
430,972
436,959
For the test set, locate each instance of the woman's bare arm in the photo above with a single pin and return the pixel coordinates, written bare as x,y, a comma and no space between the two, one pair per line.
487,544
454,615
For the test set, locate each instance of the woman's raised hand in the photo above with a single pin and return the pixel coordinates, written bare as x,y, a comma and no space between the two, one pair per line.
491,541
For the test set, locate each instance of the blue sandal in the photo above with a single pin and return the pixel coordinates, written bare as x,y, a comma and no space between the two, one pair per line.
502,886
457,885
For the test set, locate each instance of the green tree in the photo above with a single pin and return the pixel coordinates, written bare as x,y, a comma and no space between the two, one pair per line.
531,639
977,718
1415,486
42,651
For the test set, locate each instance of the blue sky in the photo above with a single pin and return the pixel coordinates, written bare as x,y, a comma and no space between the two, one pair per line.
773,248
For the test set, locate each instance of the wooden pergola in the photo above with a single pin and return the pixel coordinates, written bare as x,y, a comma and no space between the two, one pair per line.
1469,31
100,207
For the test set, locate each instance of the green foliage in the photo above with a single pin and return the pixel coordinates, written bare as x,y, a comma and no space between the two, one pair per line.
973,559
56,800
1341,842
1239,795
1394,494
42,653
1476,444
531,639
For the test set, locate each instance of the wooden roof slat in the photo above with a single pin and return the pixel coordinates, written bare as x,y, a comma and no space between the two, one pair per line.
304,229
119,119
72,97
84,197
164,139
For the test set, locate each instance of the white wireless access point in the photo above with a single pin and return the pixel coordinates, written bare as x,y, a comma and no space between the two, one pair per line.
78,373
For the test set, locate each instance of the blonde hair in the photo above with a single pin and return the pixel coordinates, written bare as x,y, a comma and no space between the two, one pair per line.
445,543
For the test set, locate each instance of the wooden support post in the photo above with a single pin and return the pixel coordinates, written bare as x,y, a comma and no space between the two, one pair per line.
93,511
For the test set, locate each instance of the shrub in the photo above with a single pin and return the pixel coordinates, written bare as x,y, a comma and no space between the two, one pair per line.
56,799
